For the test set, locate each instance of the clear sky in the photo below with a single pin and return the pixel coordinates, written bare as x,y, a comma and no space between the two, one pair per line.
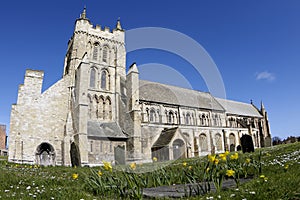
254,43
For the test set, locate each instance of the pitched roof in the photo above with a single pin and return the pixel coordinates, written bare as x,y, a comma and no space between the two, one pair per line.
239,108
168,94
105,130
165,137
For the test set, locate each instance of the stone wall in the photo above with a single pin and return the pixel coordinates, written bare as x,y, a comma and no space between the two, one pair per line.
104,150
38,118
2,137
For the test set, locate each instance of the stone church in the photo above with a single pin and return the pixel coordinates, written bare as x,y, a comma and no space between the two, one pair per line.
99,112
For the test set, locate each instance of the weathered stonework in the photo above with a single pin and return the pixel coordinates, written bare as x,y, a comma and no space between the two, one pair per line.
3,140
98,112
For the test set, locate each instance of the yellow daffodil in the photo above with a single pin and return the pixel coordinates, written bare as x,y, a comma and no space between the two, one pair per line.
248,160
286,167
100,173
230,172
190,167
184,164
133,166
235,156
107,166
211,158
207,169
222,156
75,176
262,176
226,153
216,161
154,159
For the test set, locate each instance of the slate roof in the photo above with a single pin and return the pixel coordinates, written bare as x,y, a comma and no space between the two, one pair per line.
165,137
157,92
239,108
105,130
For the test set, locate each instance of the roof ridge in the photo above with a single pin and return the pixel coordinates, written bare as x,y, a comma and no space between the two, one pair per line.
230,100
176,87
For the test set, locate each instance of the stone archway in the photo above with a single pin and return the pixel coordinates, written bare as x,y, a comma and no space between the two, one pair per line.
45,154
178,149
247,143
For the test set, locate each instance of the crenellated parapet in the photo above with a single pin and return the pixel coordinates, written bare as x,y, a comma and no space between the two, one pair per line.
102,45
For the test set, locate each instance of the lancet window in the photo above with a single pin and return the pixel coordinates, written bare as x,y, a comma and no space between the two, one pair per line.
100,108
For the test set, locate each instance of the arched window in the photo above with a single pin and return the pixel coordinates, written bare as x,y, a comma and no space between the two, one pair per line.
104,80
170,117
216,120
152,117
95,51
105,54
218,141
93,78
188,119
100,107
203,142
107,109
202,120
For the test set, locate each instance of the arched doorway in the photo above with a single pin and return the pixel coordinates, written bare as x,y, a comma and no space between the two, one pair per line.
45,154
247,143
178,149
75,157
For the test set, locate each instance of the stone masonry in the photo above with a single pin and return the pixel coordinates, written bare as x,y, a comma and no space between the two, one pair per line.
99,112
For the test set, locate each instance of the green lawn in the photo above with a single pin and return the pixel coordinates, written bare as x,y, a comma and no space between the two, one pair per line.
274,172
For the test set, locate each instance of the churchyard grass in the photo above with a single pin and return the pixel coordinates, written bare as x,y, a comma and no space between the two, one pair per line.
273,173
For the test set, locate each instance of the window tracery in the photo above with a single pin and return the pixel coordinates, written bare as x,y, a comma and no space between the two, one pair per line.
203,142
93,78
95,51
105,54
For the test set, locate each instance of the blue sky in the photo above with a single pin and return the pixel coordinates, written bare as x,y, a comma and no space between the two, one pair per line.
254,44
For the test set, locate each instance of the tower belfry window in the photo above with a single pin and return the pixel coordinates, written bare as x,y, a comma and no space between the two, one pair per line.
105,54
95,52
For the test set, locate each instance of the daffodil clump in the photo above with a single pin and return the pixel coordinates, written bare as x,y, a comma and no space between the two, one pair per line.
107,166
227,165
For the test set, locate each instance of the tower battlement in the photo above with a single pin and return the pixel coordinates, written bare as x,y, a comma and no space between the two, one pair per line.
83,25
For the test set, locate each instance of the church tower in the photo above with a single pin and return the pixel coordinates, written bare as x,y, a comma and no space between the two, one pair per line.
96,64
